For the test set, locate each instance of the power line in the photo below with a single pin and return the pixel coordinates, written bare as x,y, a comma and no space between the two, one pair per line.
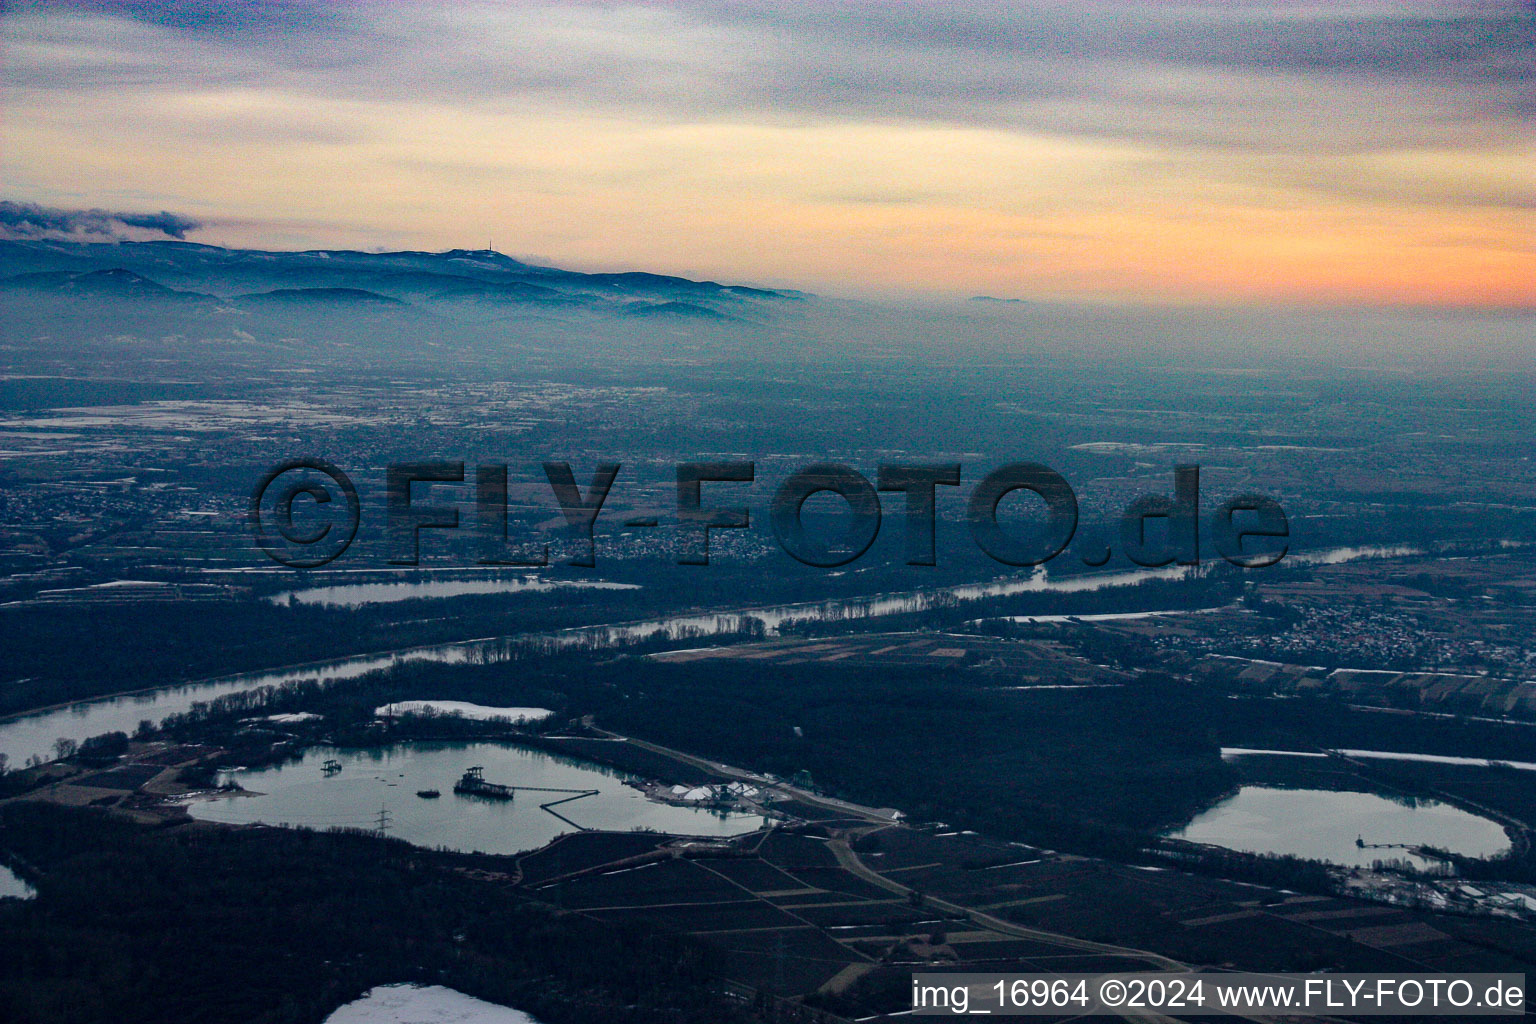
778,962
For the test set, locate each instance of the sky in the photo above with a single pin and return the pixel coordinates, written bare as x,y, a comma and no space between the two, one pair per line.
1185,153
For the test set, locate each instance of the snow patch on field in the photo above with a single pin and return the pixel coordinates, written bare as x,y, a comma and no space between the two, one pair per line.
478,712
730,791
1387,755
424,1004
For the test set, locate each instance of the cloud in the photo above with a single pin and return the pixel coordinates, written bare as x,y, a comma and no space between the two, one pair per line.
33,222
1266,76
291,19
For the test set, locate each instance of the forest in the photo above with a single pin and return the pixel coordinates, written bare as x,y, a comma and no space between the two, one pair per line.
280,926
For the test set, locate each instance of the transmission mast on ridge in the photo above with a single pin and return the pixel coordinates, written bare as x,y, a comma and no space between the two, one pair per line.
382,823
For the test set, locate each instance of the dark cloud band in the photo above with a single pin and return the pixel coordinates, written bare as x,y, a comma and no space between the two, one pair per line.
31,221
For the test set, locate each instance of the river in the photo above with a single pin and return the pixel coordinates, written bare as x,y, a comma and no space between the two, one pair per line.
25,736
31,735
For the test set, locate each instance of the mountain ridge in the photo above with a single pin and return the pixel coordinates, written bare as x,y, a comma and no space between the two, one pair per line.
411,277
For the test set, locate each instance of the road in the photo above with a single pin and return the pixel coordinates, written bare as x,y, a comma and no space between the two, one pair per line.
850,862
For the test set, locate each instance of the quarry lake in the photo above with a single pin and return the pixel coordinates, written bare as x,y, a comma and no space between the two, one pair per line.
1328,825
302,793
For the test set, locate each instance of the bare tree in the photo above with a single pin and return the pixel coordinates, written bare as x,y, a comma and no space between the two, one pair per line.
64,748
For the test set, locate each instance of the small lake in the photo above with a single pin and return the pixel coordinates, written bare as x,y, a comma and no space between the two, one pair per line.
10,885
1319,824
423,1004
300,793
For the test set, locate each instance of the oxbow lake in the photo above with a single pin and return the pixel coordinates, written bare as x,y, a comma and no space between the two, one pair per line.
356,595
